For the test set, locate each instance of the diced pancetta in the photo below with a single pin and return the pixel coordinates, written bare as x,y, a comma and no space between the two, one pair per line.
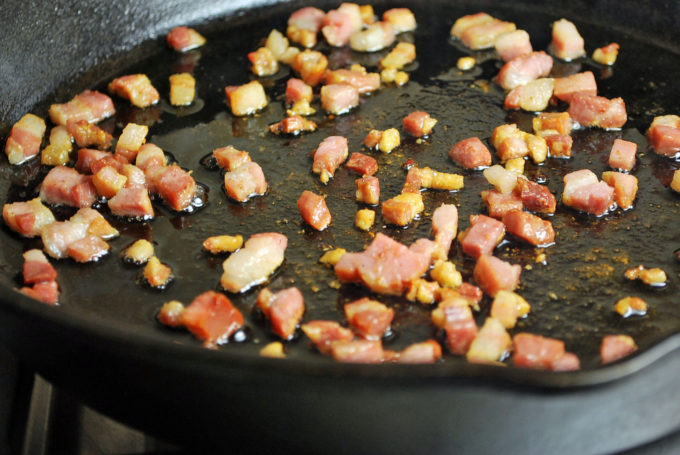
503,180
583,191
91,106
307,18
482,236
59,149
362,164
507,307
368,190
567,44
424,352
559,145
65,186
246,99
535,197
136,88
263,62
513,44
529,228
401,55
86,157
664,135
57,237
598,111
491,344
548,123
108,182
182,89
512,147
150,155
293,125
37,268
385,267
471,153
524,68
27,218
87,134
419,123
212,318
385,141
130,140
542,353
324,333
375,37
245,181
176,186
625,187
132,202
402,19
337,27
455,318
581,83
498,204
184,39
230,158
339,98
445,227
468,21
606,55
88,249
536,94
46,292
622,155
284,309
483,35
314,210
25,139
297,90
329,155
368,318
364,82
251,265
615,347
357,351
402,209
493,274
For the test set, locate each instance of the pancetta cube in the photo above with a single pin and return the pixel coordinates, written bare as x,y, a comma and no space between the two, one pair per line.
402,209
581,83
182,89
368,190
136,88
339,98
311,66
482,236
622,155
284,309
246,99
246,181
25,139
370,319
567,43
314,210
493,274
471,153
625,187
212,318
529,228
184,39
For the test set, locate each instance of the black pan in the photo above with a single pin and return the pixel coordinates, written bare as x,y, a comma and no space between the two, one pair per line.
103,345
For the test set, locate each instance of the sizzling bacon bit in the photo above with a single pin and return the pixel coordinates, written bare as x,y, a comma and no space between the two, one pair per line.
583,191
223,244
87,134
606,55
368,190
293,125
365,219
651,277
361,80
246,99
402,55
59,235
59,149
176,186
631,306
362,164
419,123
389,75
182,89
339,98
513,44
375,37
133,202
328,157
471,153
370,319
493,275
280,48
423,291
385,141
46,292
325,333
311,66
358,351
402,19
664,135
139,252
559,145
157,274
625,188
338,25
135,87
503,180
567,44
230,158
184,39
446,275
402,209
263,62
482,236
331,257
515,165
25,139
498,204
507,307
491,344
445,227
27,218
297,90
170,314
88,249
251,265
284,309
424,352
535,197
304,24
314,210
37,268
65,186
150,155
130,140
212,318
245,182
470,20
529,228
273,350
87,157
542,353
579,83
536,94
598,111
524,68
622,155
108,182
538,148
615,347
385,267
549,123
90,106
455,318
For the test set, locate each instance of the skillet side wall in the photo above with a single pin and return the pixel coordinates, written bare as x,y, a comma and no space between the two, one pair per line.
45,47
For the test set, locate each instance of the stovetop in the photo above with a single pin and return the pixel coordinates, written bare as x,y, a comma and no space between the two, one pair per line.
37,418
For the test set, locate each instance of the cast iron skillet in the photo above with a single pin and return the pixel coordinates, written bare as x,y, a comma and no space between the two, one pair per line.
103,345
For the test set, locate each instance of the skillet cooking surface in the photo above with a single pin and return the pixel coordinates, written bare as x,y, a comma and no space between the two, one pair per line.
572,295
